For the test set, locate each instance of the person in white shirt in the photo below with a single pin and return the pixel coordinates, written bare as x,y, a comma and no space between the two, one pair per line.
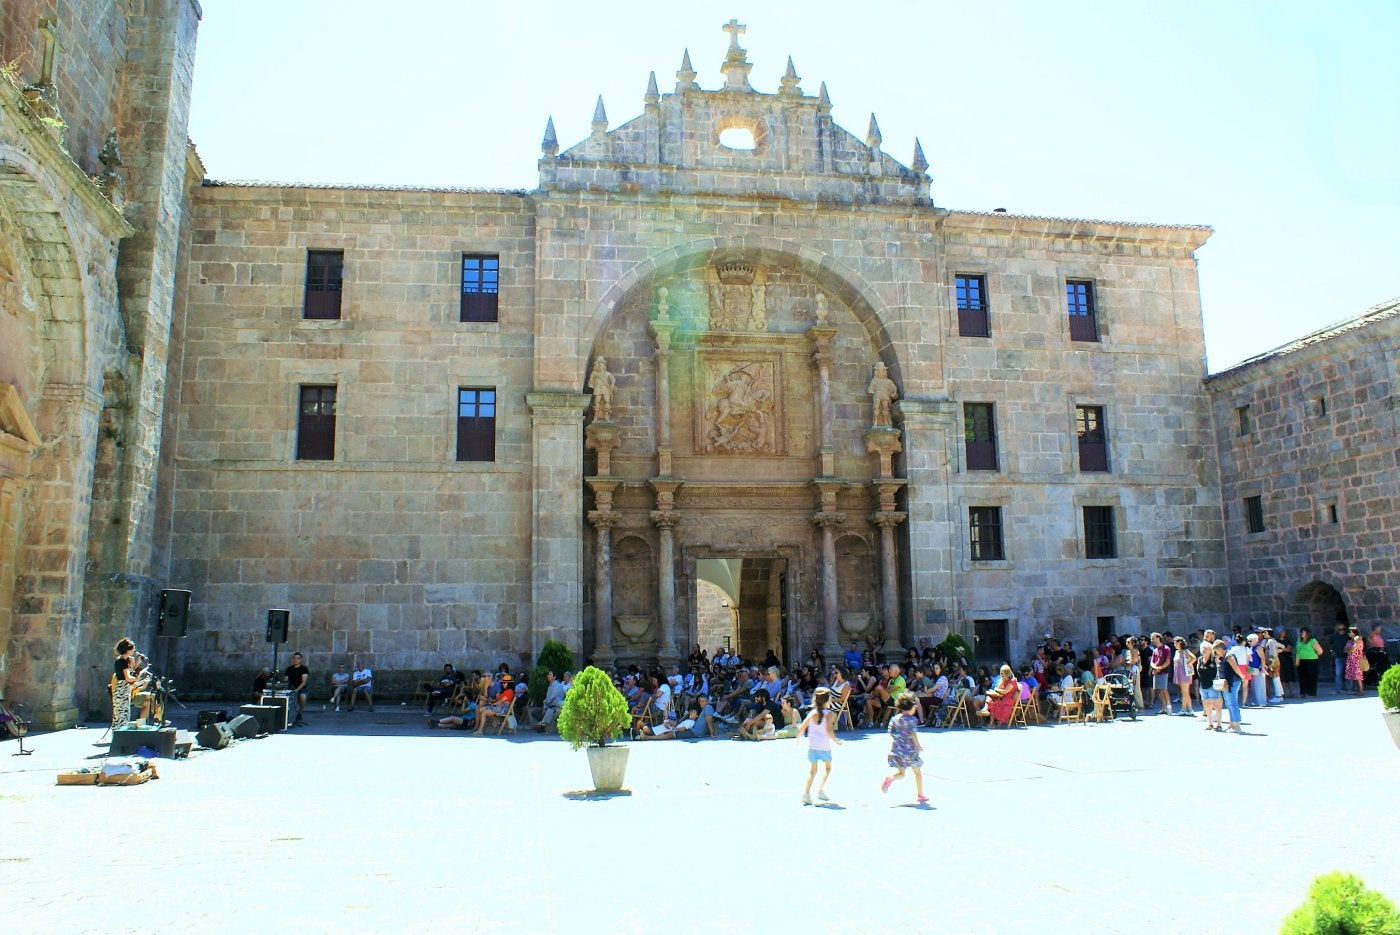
340,688
363,682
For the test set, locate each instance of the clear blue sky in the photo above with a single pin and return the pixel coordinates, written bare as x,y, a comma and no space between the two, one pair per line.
1277,123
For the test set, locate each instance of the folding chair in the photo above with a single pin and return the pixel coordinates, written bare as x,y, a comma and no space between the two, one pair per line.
957,709
841,708
1072,704
1018,713
1103,703
1034,711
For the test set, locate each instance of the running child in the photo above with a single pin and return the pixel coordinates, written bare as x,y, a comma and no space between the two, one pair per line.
905,747
820,730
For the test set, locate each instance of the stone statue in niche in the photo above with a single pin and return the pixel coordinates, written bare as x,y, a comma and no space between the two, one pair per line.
603,383
738,297
882,392
742,417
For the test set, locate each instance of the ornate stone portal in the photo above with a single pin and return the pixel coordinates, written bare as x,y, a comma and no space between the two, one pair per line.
744,413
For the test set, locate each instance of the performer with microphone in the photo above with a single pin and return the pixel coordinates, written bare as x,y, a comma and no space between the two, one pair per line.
128,683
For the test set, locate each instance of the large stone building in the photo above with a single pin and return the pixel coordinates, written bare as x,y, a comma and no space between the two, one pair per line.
728,373
1309,439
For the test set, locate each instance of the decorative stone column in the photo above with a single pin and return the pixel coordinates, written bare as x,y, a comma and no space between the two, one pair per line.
930,431
819,336
661,329
603,522
556,549
883,442
666,520
829,519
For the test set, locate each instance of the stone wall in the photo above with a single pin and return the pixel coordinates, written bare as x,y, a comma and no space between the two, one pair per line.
1318,448
394,551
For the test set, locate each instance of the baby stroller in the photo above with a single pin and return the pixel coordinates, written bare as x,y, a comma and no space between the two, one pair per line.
1120,694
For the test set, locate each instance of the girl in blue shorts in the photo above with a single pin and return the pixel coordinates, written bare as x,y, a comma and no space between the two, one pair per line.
820,729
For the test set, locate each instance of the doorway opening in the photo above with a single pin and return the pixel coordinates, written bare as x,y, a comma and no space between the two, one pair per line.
741,604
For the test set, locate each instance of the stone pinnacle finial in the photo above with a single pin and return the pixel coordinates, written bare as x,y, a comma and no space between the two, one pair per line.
600,117
919,164
550,144
788,83
110,155
652,95
823,101
685,78
873,139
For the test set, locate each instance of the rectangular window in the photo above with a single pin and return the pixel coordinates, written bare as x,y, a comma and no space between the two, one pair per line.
1246,423
1093,438
1254,513
984,530
990,642
481,282
980,435
972,306
1100,538
316,424
325,271
1083,319
1332,514
476,424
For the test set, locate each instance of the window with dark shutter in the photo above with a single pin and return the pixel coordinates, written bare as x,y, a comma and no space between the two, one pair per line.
316,424
990,641
1100,538
984,532
1083,319
1093,438
325,272
1254,513
476,424
972,306
481,285
980,435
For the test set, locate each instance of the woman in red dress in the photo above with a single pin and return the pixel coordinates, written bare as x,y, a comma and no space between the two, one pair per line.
1002,699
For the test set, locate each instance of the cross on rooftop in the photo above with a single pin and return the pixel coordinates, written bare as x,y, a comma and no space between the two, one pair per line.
735,30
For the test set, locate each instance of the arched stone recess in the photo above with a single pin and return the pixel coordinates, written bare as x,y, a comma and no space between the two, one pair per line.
1318,604
66,256
843,286
857,566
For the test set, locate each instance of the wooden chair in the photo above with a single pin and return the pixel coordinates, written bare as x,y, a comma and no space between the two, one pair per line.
1103,704
841,707
1072,704
641,716
956,709
420,694
1018,713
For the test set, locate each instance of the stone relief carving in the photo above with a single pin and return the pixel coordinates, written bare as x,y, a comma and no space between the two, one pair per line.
742,415
603,383
882,392
738,297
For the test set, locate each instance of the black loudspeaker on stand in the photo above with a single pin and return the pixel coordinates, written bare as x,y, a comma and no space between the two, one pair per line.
174,613
278,622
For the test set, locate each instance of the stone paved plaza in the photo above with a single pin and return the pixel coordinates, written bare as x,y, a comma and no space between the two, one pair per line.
371,823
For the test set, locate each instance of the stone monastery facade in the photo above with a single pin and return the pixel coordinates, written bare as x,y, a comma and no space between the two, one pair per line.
728,373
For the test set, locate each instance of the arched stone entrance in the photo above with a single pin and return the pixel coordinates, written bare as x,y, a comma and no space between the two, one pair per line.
1319,606
740,427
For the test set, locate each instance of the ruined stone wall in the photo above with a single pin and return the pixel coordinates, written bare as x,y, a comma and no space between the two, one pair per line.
394,551
1318,448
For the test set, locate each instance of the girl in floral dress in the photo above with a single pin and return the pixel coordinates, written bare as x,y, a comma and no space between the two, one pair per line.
1356,651
905,747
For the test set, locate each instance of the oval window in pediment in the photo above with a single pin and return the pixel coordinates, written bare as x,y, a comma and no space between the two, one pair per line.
740,138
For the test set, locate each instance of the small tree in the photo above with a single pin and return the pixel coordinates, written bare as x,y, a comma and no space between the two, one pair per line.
1390,689
594,710
954,646
553,655
1340,904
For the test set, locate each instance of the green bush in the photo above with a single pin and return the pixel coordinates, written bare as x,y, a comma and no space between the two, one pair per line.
594,710
553,655
1340,904
1390,689
953,646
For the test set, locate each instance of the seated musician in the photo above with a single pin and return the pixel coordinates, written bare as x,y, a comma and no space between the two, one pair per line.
128,684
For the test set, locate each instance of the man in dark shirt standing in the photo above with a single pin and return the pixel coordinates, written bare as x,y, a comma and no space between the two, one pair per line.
298,678
1337,646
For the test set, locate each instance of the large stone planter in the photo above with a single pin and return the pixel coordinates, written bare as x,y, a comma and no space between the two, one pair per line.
1392,720
608,766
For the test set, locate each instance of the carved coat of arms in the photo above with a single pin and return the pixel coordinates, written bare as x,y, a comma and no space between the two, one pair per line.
737,293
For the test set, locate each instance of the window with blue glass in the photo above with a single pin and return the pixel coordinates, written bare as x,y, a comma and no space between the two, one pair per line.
476,424
481,286
1083,316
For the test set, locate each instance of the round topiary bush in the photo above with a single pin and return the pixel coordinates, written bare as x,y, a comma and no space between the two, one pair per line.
1340,903
594,710
553,655
954,646
1390,689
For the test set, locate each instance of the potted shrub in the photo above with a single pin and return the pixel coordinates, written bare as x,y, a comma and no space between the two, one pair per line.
1340,902
594,714
1390,701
